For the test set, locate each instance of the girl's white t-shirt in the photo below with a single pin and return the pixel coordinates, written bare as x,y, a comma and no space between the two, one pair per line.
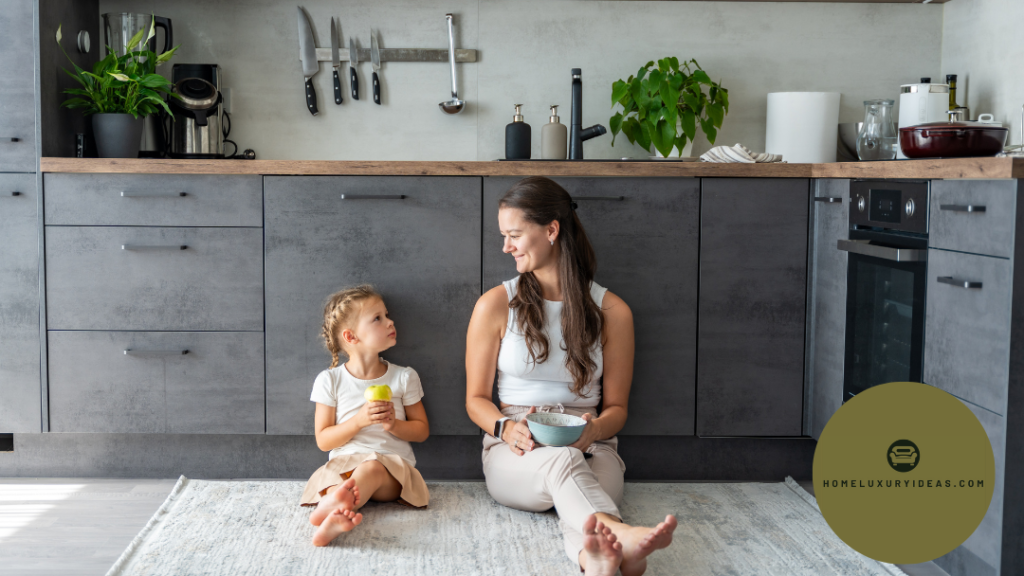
337,387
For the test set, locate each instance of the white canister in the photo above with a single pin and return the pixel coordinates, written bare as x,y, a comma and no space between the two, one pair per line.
803,126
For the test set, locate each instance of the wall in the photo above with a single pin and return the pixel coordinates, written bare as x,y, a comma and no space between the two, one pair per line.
981,44
527,49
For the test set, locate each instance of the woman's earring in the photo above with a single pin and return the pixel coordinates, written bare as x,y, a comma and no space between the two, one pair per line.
552,242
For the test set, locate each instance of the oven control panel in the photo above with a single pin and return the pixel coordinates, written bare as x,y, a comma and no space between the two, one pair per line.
890,205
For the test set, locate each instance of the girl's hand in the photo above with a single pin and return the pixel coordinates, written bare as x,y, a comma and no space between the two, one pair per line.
390,414
518,437
590,434
376,412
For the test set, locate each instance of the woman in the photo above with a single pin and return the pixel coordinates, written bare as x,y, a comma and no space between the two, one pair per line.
559,341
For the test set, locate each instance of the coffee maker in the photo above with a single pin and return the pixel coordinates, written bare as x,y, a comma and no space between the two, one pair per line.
197,129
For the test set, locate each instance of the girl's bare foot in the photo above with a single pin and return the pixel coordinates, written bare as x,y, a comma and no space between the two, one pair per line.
336,522
343,497
603,551
638,543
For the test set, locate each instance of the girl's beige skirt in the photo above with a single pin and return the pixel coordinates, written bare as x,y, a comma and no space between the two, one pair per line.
337,470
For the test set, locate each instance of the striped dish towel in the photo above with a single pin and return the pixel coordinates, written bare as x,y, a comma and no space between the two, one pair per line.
739,154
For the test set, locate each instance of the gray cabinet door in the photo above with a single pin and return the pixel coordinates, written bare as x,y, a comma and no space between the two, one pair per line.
142,382
112,278
973,216
753,287
967,330
17,90
646,247
20,396
827,335
421,252
153,200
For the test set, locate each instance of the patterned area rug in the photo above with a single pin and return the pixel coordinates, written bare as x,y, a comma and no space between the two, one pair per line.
257,528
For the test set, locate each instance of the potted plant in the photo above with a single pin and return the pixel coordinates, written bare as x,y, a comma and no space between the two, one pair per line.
662,106
119,92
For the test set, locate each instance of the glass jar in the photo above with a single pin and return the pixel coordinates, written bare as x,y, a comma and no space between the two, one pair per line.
877,138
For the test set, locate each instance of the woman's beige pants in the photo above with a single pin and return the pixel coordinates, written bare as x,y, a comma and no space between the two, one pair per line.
556,476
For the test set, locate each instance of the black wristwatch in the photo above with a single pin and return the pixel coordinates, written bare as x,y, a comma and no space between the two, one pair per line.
499,427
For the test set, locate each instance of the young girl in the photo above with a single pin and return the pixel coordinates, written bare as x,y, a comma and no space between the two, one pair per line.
371,458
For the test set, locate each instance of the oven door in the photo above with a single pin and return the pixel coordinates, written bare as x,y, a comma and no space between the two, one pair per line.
884,313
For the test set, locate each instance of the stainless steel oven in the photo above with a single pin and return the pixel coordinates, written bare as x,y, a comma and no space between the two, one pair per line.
888,252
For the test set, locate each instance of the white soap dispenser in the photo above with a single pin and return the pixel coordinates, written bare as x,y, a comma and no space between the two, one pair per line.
554,138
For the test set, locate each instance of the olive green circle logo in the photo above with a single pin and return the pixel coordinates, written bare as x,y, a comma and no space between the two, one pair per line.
904,486
903,455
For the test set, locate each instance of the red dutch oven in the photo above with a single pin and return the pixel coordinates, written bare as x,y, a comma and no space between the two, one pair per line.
952,140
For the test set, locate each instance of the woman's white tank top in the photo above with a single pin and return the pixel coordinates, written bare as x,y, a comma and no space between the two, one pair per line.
523,383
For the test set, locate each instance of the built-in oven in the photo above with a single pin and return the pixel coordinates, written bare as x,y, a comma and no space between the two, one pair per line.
888,252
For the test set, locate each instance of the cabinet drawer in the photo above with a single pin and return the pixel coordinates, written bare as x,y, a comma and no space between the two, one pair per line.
214,388
136,278
967,330
956,223
153,200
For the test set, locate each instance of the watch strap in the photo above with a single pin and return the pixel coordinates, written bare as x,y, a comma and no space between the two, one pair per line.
499,427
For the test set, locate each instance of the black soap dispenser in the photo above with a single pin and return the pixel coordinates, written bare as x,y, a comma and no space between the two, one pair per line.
517,138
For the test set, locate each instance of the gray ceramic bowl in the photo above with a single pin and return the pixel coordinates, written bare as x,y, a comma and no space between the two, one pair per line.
553,429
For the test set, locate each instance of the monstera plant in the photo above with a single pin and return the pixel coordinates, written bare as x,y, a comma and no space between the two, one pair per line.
663,104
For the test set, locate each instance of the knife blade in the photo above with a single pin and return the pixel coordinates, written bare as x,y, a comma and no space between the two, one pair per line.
307,54
375,59
336,60
353,61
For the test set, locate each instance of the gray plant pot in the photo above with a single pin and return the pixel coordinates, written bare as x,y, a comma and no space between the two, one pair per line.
117,135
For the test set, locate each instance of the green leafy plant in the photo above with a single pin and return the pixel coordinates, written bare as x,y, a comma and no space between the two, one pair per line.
125,84
662,106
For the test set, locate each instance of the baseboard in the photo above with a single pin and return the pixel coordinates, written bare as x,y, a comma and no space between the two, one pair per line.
647,458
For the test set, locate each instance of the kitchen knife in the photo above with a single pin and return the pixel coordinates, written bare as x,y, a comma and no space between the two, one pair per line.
337,62
353,61
375,59
307,53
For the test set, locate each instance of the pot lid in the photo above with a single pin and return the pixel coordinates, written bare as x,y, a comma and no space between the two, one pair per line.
953,126
196,93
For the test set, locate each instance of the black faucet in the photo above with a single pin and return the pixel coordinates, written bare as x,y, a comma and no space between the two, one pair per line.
577,134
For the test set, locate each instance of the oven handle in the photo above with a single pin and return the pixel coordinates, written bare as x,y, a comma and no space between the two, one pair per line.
866,248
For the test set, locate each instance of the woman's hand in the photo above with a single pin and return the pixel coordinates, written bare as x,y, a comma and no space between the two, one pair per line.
590,434
376,412
518,437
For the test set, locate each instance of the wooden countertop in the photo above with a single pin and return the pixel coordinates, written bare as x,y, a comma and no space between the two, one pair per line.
973,168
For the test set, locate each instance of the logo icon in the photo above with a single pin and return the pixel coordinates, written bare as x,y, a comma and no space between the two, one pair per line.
903,455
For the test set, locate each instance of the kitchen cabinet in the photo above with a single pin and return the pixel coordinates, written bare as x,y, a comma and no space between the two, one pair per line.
975,216
20,395
826,346
416,239
156,382
753,299
18,89
645,235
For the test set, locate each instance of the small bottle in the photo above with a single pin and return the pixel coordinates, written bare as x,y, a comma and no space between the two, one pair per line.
554,137
517,138
951,80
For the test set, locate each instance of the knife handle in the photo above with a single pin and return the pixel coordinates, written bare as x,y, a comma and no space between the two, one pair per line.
337,88
311,97
354,82
376,89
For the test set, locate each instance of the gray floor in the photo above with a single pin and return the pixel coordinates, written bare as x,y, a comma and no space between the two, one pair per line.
79,526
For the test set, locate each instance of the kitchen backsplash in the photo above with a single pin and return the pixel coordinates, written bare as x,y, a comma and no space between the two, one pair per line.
526,50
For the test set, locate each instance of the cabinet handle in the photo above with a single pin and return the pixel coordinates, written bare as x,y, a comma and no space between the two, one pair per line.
131,352
958,282
373,196
884,252
619,198
126,194
10,139
15,193
961,208
144,247
828,199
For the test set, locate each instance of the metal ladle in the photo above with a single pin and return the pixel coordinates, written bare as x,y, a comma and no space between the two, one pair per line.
453,106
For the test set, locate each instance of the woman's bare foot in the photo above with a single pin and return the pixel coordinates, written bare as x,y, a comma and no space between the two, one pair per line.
639,542
602,550
336,522
343,497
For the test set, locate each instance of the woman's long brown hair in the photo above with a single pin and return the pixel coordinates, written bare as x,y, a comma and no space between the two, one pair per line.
543,201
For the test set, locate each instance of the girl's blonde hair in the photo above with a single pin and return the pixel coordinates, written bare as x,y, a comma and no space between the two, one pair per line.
340,312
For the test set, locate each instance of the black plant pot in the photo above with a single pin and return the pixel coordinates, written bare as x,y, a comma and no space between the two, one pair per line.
117,135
